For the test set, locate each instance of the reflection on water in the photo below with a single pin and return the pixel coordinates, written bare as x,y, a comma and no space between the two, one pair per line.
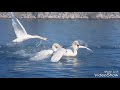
102,36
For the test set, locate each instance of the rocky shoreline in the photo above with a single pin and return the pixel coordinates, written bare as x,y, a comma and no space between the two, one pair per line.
63,15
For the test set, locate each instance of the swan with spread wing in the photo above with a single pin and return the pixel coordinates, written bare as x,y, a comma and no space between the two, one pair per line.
20,31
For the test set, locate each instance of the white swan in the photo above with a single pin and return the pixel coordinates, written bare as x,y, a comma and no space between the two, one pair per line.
20,31
46,53
72,51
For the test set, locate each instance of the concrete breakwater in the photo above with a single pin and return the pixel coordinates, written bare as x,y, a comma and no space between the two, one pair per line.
63,15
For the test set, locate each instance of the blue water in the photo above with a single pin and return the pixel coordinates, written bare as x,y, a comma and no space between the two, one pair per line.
102,36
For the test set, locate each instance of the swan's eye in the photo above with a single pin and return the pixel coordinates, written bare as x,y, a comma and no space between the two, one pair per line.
77,45
56,47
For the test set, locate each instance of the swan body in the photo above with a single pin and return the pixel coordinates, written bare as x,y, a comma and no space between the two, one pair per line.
46,53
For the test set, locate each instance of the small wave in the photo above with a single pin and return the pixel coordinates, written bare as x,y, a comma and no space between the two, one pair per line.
10,44
5,49
105,46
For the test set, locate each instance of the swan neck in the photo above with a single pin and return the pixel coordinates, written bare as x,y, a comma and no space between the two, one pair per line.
75,51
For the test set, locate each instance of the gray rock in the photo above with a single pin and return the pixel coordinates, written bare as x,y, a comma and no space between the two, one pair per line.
63,15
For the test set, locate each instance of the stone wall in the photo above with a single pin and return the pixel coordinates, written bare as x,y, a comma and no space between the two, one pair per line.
64,15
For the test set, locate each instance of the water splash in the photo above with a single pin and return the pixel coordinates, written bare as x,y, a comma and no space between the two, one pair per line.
82,43
23,53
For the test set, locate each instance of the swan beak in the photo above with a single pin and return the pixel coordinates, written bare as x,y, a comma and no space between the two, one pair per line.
85,47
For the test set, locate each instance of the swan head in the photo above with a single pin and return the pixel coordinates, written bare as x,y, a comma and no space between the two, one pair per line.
56,46
76,45
43,38
80,44
46,39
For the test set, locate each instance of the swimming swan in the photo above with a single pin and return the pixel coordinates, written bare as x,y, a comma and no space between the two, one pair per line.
72,51
20,31
46,53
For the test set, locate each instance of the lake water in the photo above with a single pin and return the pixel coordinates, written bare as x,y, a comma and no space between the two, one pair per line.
102,36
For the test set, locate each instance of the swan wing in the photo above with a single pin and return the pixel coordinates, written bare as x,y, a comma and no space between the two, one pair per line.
58,55
42,55
18,27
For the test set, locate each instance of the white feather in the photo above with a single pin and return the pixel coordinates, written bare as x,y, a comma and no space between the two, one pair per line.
18,27
46,53
58,55
42,55
20,31
69,52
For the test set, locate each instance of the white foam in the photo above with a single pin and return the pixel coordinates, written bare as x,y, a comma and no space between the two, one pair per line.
22,53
